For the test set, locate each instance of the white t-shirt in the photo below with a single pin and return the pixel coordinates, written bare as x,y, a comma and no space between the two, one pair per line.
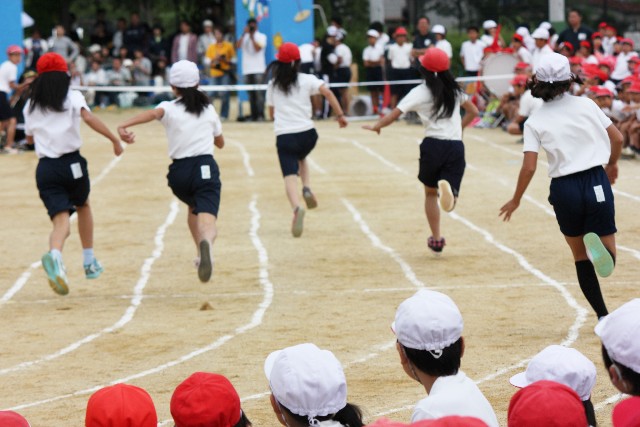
400,56
529,104
56,133
472,54
486,39
189,135
253,61
383,41
455,395
537,54
524,55
292,111
342,51
8,73
372,53
445,46
621,69
572,131
183,46
306,52
420,100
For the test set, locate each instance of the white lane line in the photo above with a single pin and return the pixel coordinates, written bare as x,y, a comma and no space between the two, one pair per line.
246,158
316,166
375,155
136,299
610,400
376,242
634,252
256,320
24,277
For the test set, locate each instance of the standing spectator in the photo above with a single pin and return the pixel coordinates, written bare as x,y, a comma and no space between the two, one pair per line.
141,68
541,36
63,45
527,40
399,55
8,83
308,56
34,47
523,54
118,76
101,28
136,35
373,59
575,32
96,76
341,60
185,45
471,52
608,39
383,38
441,41
253,44
118,36
158,45
490,28
205,39
423,38
219,56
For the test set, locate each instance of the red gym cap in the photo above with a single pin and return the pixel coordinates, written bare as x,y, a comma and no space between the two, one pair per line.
635,87
12,419
519,80
522,66
627,41
603,25
435,60
576,60
627,413
448,421
603,91
288,53
205,399
596,35
400,31
546,403
518,37
568,45
14,49
121,405
585,43
51,62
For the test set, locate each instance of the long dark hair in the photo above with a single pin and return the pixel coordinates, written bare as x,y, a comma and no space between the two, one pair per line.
445,91
350,416
194,101
285,75
49,91
548,91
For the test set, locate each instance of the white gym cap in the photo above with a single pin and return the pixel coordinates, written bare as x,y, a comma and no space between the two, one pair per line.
523,31
373,33
563,365
546,25
429,321
207,23
488,24
540,33
184,74
307,380
553,67
438,29
332,31
620,334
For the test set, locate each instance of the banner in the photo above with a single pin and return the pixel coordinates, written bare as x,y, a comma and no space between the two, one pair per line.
11,24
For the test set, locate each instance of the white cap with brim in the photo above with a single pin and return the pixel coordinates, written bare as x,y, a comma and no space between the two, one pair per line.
438,29
184,74
563,365
332,31
373,33
553,67
540,33
488,24
620,334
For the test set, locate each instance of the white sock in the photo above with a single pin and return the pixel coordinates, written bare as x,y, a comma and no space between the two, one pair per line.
87,256
56,254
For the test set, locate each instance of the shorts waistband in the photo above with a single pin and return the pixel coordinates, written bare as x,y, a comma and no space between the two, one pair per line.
185,159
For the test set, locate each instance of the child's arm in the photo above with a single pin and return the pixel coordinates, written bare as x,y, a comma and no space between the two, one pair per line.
526,173
97,125
384,121
144,117
616,148
218,141
471,112
335,105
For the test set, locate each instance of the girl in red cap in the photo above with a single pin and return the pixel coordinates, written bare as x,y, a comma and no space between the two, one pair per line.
52,121
288,98
437,102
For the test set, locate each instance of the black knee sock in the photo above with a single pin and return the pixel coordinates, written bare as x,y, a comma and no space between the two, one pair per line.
591,287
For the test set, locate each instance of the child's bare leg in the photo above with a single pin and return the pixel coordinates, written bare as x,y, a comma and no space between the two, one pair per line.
61,230
291,188
432,210
85,225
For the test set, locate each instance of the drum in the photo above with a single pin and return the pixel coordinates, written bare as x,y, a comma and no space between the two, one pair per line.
498,64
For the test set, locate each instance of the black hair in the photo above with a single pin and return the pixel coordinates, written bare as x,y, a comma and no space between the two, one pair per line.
423,17
376,25
194,101
548,91
337,19
243,421
573,9
251,21
631,377
445,91
49,91
285,75
350,416
447,364
590,412
474,28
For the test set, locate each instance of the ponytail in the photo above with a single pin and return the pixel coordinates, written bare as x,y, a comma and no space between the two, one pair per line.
285,75
444,89
350,415
194,101
49,91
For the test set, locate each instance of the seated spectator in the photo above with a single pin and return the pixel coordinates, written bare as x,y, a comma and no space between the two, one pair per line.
428,327
96,76
527,105
510,101
12,419
308,388
546,403
118,76
209,400
121,405
566,366
141,69
450,421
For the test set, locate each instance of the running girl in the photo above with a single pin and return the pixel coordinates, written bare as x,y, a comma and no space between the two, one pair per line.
437,102
52,121
191,124
578,139
288,98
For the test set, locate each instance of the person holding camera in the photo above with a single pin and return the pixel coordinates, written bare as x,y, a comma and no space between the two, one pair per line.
253,44
219,57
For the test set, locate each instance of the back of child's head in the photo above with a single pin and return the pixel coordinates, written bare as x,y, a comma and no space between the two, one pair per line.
12,419
448,421
309,384
620,335
184,76
553,77
121,405
206,399
284,69
546,403
49,90
429,326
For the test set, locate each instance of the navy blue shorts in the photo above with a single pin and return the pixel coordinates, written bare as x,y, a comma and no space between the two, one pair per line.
583,203
63,183
6,112
196,181
374,74
293,147
441,159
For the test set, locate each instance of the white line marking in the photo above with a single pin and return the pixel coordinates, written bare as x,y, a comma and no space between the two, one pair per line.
316,166
246,158
256,320
145,273
610,400
375,241
375,155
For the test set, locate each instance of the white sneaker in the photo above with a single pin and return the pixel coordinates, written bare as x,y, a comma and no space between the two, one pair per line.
445,196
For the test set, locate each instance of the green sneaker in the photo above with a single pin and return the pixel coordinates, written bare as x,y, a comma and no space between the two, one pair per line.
598,254
93,270
56,274
205,266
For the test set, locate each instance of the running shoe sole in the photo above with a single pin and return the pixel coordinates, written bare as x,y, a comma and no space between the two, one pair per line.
445,195
598,254
310,199
57,282
298,221
205,268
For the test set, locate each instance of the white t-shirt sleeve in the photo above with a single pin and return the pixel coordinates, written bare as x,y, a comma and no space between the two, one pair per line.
604,120
314,84
166,106
411,101
217,124
531,140
78,102
422,414
269,95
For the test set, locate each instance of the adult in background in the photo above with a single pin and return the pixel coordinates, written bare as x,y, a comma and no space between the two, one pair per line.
185,45
159,46
205,39
136,36
423,39
34,47
62,45
219,58
253,44
575,32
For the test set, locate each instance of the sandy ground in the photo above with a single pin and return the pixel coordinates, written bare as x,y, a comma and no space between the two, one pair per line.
362,252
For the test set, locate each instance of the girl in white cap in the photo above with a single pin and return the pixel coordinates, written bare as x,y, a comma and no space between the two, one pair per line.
578,139
193,128
437,102
308,388
288,98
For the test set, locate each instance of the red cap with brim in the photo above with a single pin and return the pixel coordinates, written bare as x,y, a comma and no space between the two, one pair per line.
435,60
51,62
400,31
635,87
13,49
627,41
288,53
522,66
576,60
519,80
121,405
447,421
546,403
